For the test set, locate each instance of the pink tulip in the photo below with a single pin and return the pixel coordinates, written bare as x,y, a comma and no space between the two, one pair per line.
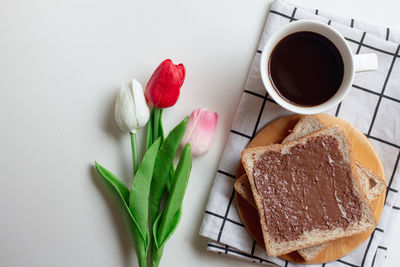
200,130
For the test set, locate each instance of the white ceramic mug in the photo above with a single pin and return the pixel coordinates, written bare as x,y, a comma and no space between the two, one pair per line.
351,63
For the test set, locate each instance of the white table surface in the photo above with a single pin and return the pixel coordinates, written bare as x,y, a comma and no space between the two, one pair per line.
61,64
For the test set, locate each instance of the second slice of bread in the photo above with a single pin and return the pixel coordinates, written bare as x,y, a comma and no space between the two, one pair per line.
278,246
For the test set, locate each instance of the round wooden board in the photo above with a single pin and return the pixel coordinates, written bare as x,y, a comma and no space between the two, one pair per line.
362,151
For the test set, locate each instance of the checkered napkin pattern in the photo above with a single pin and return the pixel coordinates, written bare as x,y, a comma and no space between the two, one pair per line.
373,106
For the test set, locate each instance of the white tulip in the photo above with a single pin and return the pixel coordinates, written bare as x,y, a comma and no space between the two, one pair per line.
131,110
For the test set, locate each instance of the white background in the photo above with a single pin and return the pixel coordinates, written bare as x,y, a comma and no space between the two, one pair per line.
61,65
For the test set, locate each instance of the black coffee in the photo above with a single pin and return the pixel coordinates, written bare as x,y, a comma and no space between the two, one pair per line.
306,68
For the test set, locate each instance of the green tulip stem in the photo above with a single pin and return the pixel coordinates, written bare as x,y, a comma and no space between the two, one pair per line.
156,126
134,152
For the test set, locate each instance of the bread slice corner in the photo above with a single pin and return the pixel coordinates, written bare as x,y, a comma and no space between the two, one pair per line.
243,188
304,126
372,185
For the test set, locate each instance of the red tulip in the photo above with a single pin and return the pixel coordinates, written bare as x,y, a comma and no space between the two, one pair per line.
162,90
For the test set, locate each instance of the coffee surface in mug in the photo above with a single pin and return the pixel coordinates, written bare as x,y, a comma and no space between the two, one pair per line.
305,68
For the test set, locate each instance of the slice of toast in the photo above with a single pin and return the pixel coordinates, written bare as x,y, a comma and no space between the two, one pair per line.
352,215
371,184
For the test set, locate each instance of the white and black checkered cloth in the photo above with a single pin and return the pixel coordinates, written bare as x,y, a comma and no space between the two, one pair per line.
373,106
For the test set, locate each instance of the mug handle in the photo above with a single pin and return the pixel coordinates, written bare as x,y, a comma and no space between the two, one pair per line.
365,62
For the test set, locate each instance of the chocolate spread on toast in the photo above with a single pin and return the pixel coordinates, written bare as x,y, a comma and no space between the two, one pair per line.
309,188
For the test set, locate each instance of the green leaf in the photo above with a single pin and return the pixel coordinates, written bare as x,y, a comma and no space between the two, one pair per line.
139,196
121,195
157,249
155,229
170,177
163,165
172,213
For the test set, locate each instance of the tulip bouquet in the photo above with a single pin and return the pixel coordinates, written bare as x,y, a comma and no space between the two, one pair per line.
152,208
